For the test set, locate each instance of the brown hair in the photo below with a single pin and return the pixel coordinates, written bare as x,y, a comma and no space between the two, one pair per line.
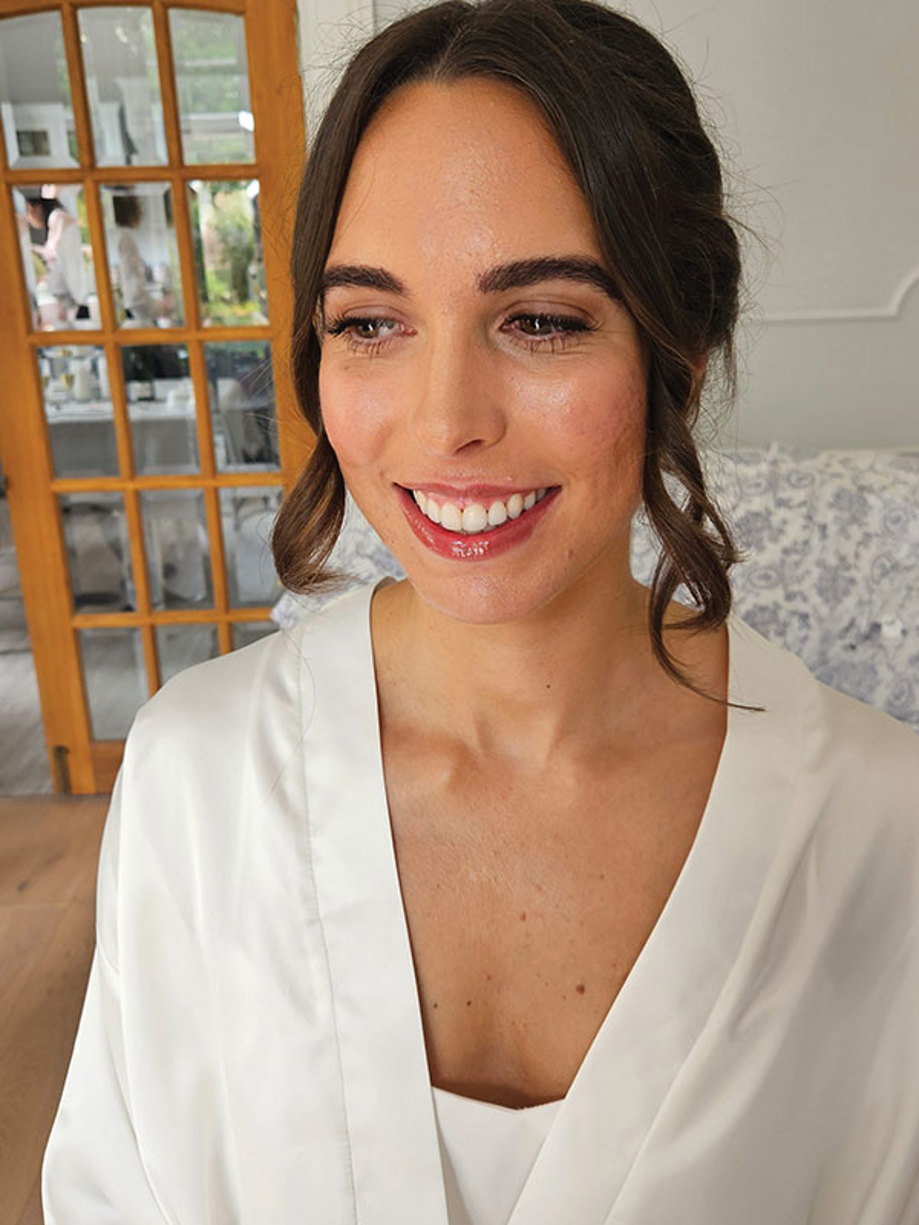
126,209
627,123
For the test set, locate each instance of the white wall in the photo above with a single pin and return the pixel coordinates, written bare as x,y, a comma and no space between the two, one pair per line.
330,32
817,106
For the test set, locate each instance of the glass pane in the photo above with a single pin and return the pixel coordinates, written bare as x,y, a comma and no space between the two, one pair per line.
35,92
226,233
248,516
212,81
245,632
161,407
123,85
78,409
180,646
143,255
115,680
57,259
178,554
241,391
98,551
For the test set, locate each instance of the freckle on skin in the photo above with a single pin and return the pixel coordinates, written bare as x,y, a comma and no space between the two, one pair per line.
523,916
580,988
468,1002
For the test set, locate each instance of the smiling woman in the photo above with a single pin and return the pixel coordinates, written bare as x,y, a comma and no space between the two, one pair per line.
635,187
512,893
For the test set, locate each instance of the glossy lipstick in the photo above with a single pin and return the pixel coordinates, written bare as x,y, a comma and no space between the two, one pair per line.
482,545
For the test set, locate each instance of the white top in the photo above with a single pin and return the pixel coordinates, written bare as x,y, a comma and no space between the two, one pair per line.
63,252
251,1048
132,275
487,1152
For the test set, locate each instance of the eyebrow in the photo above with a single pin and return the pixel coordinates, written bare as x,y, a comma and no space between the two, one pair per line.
516,275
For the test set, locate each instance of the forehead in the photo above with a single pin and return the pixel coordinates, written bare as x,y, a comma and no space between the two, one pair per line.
465,169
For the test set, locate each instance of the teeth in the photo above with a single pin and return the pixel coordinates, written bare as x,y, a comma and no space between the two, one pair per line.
497,514
451,517
475,517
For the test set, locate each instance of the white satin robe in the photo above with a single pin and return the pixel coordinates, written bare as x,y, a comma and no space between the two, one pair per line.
251,1048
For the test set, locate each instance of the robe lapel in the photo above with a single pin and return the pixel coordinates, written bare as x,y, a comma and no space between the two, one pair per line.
650,1032
394,1155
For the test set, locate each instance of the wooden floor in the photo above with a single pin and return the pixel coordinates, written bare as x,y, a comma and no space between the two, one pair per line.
48,852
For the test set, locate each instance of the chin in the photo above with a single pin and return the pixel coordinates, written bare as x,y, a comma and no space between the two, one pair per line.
499,598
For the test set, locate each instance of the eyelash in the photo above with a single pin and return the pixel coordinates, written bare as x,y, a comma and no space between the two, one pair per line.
567,328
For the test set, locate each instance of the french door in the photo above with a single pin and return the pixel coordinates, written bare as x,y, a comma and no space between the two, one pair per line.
150,158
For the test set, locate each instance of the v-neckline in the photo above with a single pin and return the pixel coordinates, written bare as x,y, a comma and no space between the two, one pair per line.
646,1035
599,1035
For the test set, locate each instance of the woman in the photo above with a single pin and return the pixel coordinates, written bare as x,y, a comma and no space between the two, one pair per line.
138,303
62,252
474,899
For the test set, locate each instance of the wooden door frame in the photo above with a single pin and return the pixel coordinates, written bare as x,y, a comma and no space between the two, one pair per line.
79,764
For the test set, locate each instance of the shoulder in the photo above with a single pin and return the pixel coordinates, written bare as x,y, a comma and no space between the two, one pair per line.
854,770
208,703
218,709
213,782
852,732
866,764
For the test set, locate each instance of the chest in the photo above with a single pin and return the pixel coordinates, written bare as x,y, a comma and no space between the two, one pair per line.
528,901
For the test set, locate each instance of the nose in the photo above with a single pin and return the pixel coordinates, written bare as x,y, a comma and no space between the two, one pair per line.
457,406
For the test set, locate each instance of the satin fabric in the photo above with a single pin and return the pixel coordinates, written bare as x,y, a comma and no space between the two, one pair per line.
487,1152
251,1048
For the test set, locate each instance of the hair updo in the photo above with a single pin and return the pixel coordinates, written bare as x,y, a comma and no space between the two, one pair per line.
627,124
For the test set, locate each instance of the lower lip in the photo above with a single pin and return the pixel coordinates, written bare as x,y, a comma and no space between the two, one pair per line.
482,545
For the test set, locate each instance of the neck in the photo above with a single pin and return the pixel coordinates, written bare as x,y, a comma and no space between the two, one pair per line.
567,678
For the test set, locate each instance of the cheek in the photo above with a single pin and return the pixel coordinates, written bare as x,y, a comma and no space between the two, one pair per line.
595,420
356,418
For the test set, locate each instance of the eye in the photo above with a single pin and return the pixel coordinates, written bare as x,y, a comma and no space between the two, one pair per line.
363,333
546,331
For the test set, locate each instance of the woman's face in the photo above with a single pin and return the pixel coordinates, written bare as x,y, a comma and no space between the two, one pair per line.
475,354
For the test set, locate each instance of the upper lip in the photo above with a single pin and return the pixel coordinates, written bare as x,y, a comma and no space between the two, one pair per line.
473,492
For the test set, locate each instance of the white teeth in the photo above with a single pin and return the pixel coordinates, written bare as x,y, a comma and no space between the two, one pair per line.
475,518
451,517
497,514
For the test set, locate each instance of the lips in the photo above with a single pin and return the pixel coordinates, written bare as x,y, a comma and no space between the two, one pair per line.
479,543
